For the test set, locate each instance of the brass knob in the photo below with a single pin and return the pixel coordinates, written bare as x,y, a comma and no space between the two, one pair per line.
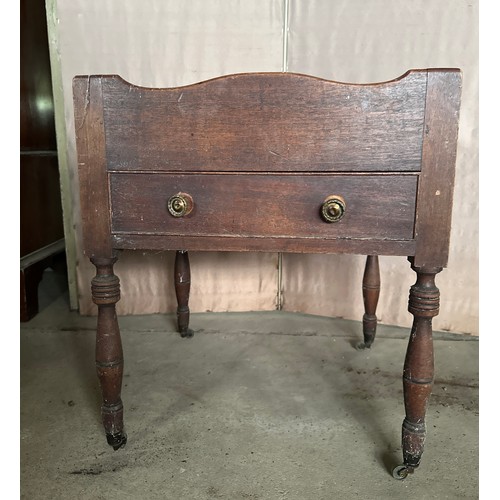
180,204
333,208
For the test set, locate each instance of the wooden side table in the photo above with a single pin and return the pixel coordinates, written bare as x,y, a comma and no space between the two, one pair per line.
271,162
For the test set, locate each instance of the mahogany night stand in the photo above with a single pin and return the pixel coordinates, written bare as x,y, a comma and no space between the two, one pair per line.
275,162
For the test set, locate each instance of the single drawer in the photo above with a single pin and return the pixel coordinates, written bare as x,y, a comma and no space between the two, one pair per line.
380,207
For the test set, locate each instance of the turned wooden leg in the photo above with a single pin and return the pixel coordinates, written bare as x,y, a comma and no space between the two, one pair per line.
182,280
109,354
418,370
371,292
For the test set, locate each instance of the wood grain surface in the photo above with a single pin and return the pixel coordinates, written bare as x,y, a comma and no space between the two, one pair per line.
266,122
378,206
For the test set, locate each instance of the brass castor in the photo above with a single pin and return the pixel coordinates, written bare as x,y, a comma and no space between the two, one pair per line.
401,472
117,441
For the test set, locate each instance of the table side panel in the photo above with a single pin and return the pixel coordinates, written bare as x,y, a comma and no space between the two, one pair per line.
266,122
93,177
436,184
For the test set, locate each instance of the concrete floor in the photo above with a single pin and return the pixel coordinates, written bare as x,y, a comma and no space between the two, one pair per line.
274,406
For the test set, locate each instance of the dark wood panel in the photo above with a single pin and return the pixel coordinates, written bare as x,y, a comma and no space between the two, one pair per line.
378,207
263,122
37,107
435,194
41,220
91,148
248,244
40,202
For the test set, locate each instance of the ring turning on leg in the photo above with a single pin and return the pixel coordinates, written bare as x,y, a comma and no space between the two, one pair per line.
109,354
418,370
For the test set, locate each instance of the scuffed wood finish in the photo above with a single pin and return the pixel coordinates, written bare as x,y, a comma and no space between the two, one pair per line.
182,281
109,354
371,292
418,370
407,125
256,156
378,207
435,193
231,243
92,166
266,122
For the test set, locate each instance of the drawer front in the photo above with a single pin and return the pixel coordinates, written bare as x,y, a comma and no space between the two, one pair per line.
380,207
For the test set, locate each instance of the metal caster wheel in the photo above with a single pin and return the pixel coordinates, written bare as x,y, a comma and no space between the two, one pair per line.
401,472
117,441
